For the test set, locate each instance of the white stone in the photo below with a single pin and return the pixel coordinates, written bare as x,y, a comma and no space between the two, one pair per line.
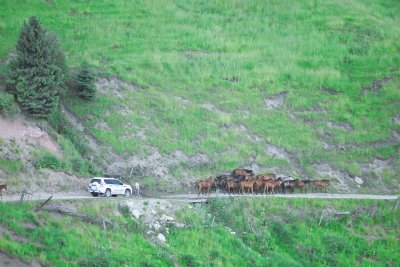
179,225
358,180
165,218
136,213
157,226
161,237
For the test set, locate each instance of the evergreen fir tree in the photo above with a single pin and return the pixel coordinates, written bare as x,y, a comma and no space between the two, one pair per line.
85,82
36,75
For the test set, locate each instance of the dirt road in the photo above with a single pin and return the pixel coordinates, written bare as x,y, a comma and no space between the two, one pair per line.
202,198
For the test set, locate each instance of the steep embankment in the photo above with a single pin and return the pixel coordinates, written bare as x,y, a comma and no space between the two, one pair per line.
225,232
191,89
33,160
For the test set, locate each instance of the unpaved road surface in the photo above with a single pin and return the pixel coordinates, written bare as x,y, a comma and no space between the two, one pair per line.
202,198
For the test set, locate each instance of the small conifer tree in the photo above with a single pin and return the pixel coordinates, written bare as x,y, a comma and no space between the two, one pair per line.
85,82
36,74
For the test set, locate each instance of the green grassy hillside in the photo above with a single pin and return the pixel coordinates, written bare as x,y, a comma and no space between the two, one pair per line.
225,232
318,80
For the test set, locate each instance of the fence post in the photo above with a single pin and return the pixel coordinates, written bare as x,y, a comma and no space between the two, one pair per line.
396,205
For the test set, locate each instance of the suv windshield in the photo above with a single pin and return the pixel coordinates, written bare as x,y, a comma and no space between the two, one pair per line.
95,181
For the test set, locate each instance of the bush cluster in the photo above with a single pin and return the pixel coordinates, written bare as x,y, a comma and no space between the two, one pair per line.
7,105
47,160
63,127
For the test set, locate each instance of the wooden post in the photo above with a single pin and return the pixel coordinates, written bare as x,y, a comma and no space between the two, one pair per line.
396,205
43,204
322,216
22,195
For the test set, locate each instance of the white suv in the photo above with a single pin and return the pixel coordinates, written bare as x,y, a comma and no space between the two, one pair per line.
108,187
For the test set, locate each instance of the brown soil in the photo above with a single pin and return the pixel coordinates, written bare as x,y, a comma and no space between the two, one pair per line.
27,132
11,261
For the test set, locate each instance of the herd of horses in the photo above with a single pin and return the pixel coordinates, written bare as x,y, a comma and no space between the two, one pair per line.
245,181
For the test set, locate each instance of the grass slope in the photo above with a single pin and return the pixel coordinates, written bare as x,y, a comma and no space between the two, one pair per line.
203,70
291,228
67,241
225,232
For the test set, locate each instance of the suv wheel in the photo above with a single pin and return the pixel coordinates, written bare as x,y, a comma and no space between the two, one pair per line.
127,193
108,193
95,194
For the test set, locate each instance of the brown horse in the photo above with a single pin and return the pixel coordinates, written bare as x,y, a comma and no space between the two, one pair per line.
322,184
302,185
205,184
242,172
271,184
249,183
231,186
260,182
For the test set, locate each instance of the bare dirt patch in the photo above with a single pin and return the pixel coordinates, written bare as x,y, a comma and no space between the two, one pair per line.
378,166
7,260
276,151
102,125
396,119
275,101
324,170
376,86
124,110
213,108
343,126
114,86
24,132
183,100
330,90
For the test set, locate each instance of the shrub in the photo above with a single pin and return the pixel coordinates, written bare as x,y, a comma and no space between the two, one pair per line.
85,82
78,165
189,260
47,160
7,104
99,259
62,126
